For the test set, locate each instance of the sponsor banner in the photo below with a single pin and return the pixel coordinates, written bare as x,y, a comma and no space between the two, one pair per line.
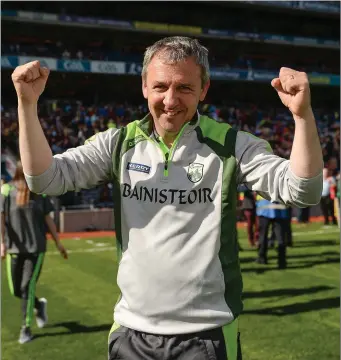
254,75
117,23
304,5
320,6
221,74
9,62
236,74
9,13
78,19
108,67
277,39
333,43
45,62
73,65
142,25
113,67
267,76
246,36
133,68
272,38
172,28
37,16
305,40
319,79
335,80
225,33
96,21
322,79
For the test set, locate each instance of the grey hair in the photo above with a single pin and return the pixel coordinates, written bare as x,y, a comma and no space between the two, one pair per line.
175,49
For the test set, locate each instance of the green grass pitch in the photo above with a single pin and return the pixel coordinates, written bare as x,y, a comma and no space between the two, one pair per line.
288,315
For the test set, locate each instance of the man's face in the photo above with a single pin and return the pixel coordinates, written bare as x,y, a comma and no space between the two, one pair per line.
173,92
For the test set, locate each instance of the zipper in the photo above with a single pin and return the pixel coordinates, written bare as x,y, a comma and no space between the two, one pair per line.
166,152
170,152
165,169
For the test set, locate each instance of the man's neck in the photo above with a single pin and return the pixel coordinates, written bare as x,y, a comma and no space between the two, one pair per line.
167,137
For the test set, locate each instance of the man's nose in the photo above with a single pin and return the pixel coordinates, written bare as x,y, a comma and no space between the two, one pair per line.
171,99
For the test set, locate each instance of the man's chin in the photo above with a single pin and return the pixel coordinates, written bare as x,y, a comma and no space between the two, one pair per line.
171,129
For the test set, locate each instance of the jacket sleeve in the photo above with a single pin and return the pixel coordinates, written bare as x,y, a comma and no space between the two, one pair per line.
271,176
82,167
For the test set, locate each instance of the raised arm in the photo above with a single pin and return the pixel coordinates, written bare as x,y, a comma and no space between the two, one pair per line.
82,167
306,155
29,81
297,182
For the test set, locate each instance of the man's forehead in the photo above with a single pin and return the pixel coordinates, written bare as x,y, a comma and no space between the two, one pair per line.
185,70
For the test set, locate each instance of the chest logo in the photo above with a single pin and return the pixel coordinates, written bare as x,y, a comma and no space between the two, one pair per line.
138,167
195,172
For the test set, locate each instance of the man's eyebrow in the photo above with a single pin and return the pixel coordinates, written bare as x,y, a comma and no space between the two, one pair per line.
155,83
186,84
159,83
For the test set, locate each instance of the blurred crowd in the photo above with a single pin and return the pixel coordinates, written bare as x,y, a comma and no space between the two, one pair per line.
105,51
69,123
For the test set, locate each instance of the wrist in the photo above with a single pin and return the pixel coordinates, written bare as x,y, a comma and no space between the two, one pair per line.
306,115
25,105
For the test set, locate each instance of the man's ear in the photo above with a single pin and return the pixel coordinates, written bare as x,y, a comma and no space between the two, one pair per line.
144,89
204,90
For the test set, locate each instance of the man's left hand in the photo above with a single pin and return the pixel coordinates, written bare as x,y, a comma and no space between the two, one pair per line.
293,89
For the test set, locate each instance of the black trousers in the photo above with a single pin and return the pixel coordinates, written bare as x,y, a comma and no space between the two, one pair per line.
23,272
128,344
327,207
280,228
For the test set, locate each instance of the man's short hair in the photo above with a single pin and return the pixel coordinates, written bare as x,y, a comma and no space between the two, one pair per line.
175,49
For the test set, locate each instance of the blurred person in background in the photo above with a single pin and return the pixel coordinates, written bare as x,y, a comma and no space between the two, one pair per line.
276,214
178,171
25,218
248,207
328,196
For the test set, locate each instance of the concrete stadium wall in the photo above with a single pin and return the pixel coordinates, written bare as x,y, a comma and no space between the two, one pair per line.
82,220
104,219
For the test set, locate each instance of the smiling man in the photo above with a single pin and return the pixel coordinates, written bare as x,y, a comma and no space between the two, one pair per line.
173,89
176,174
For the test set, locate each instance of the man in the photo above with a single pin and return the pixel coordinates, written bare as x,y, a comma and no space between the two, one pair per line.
277,215
175,174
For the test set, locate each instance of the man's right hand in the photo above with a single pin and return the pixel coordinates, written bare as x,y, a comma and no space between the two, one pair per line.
29,81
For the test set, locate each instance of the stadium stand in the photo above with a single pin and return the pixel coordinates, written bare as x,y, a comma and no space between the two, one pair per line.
96,53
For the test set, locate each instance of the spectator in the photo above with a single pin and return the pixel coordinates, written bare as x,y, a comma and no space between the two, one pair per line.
327,203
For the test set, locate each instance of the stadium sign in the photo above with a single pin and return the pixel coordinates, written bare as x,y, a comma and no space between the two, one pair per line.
9,62
50,63
74,65
108,67
134,68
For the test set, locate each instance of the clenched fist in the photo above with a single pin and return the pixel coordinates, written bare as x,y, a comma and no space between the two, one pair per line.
29,81
293,89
